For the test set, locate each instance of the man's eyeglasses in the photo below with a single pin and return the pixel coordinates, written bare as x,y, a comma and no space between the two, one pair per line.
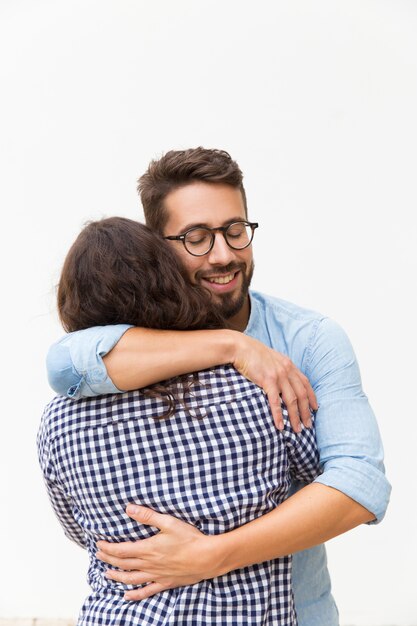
199,240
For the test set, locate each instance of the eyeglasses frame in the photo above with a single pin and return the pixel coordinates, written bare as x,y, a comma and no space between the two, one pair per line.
220,229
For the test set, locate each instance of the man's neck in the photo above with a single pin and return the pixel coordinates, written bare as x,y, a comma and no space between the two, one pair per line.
241,319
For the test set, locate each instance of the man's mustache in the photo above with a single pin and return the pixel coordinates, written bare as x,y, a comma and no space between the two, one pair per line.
218,270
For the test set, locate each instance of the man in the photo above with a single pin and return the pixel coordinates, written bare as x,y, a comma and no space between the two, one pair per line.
194,198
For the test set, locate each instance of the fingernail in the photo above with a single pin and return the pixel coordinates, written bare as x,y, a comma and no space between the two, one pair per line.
132,509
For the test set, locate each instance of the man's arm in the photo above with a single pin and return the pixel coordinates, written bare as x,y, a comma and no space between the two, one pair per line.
180,555
348,437
113,358
351,490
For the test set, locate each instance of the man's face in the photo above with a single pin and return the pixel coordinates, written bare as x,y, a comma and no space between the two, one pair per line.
225,272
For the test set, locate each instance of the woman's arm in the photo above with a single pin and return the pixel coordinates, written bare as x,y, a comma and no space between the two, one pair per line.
59,500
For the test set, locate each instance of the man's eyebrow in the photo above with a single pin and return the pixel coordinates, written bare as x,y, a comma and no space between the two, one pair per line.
238,218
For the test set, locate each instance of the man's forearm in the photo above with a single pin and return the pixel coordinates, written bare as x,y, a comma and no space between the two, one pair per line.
310,517
146,356
181,555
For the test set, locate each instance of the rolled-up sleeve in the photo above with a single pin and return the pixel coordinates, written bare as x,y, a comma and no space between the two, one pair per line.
350,446
75,363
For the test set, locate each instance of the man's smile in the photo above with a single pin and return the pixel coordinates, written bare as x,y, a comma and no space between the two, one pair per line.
221,282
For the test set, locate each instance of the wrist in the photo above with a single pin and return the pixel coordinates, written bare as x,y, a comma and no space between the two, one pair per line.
220,554
228,341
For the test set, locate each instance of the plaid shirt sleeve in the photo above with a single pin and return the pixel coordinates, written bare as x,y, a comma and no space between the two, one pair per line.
302,451
61,503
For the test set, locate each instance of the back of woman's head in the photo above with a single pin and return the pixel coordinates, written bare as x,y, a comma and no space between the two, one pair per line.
119,271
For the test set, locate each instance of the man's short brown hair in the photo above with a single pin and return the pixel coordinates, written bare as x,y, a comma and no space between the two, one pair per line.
178,168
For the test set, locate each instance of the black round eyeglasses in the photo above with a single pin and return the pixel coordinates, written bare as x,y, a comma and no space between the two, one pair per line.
199,240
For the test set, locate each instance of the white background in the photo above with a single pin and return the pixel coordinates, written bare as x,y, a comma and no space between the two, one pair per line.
317,101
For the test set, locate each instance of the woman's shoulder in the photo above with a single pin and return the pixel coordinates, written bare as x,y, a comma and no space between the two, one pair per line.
223,384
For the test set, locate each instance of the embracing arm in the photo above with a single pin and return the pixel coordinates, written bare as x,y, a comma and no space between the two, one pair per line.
310,517
144,356
351,490
181,555
348,437
109,359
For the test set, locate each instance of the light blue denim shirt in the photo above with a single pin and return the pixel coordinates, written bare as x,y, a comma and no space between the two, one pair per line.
348,439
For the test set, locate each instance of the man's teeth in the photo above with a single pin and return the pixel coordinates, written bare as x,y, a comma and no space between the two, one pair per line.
222,280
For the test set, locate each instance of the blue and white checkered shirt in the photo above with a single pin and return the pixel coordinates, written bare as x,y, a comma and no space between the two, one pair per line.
216,472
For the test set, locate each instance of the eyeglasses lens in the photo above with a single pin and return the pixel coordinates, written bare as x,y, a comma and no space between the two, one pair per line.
198,241
239,235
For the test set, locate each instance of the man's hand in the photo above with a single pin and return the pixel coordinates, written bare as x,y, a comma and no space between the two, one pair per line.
279,378
166,560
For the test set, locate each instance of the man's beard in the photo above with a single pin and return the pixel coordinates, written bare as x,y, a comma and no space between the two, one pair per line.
229,304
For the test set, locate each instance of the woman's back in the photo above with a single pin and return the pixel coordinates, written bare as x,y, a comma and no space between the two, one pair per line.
216,472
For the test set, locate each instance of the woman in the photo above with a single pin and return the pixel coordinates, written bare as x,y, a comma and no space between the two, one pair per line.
200,447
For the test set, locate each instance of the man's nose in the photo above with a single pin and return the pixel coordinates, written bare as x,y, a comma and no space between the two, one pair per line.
220,254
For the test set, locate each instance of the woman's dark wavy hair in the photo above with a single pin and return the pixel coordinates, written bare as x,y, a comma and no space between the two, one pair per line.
120,272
